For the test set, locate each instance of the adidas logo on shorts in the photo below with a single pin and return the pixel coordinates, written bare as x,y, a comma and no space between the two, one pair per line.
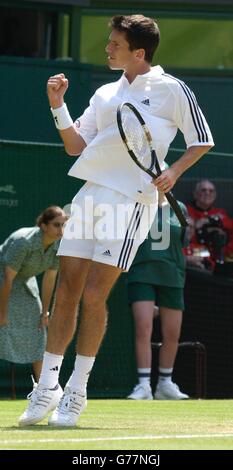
107,253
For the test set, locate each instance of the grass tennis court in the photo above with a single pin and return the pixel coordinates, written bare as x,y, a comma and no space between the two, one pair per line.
124,425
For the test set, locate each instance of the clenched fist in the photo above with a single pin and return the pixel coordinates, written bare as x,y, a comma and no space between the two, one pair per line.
56,88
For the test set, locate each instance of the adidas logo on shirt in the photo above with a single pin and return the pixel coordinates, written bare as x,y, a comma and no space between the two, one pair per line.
107,253
55,369
146,102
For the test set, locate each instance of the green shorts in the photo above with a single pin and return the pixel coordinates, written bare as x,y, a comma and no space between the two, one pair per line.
163,296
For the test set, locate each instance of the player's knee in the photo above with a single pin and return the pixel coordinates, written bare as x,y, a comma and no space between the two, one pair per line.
66,291
93,297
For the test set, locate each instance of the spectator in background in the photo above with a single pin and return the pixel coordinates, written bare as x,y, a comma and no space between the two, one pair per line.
25,254
157,276
197,255
213,227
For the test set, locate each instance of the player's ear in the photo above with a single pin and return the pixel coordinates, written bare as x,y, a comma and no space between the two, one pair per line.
140,54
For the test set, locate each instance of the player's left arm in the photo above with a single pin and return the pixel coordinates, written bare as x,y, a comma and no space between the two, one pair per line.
169,177
188,117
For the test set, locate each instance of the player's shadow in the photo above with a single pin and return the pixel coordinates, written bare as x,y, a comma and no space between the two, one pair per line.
44,427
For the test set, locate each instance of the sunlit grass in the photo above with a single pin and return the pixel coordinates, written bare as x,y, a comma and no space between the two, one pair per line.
124,425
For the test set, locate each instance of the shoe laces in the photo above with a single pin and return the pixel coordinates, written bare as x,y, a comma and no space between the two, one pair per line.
137,387
71,402
36,394
169,384
32,396
140,387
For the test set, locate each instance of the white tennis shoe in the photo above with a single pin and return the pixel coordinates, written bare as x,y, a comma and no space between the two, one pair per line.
169,391
69,409
141,392
41,402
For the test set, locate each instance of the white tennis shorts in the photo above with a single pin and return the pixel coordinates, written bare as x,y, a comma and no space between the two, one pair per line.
106,226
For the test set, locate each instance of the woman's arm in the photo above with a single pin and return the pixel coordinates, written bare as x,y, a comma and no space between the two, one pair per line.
48,284
5,290
47,288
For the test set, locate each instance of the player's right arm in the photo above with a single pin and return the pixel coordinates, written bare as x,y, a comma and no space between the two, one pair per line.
56,89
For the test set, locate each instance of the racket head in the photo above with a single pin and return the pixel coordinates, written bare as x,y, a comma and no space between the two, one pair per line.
136,137
138,141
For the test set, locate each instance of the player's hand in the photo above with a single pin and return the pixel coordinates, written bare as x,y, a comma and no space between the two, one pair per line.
56,88
166,180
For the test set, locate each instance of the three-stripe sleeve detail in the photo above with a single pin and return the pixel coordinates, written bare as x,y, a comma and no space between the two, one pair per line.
194,109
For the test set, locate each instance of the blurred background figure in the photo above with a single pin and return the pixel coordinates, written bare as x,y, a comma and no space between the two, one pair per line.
213,227
25,254
157,276
197,254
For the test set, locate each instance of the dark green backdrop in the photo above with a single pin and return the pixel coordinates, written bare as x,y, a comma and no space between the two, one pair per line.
24,113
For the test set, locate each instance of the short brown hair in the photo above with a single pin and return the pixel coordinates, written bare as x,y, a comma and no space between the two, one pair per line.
49,214
141,32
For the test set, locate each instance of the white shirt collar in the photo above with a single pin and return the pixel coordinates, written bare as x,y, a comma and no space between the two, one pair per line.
154,72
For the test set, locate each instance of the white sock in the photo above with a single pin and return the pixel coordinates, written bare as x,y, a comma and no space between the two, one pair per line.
80,375
144,375
50,370
165,375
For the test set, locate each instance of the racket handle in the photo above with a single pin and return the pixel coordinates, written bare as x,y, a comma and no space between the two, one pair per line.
171,198
177,209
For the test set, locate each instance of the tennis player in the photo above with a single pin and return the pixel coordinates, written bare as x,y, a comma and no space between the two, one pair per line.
90,263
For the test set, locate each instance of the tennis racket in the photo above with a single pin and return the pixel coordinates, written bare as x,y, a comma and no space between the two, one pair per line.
138,141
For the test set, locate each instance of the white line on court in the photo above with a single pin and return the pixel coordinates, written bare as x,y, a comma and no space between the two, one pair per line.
120,438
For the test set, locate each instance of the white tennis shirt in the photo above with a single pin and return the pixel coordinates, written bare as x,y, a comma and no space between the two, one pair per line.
166,104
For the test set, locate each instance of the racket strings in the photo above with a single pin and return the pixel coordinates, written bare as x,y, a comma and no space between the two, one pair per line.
136,138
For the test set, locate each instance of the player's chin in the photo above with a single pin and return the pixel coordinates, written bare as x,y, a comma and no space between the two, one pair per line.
112,65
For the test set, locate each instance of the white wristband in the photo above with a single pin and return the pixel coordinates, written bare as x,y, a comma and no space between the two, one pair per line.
62,117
